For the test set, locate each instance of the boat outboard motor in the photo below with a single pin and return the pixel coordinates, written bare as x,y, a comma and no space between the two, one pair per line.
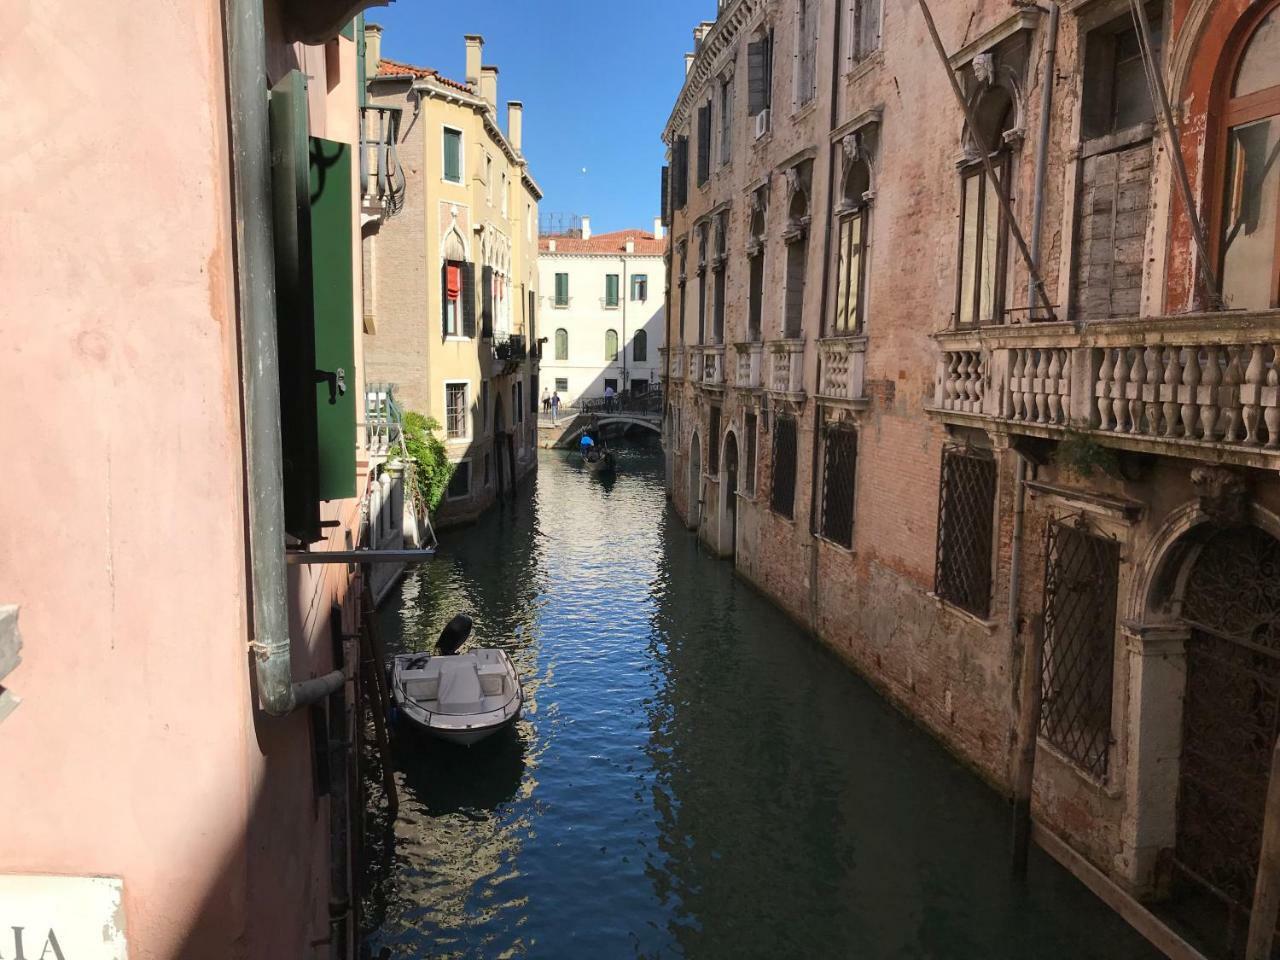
454,635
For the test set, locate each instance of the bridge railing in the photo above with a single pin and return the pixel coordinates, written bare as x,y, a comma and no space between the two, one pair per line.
648,403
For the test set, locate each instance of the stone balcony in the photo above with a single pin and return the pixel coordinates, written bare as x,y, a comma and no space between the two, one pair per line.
843,376
694,374
677,361
784,360
713,367
748,365
1200,386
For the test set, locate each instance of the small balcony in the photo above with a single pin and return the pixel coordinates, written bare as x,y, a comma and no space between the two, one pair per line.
382,184
383,419
785,368
844,365
748,365
508,354
677,362
713,367
694,374
1199,386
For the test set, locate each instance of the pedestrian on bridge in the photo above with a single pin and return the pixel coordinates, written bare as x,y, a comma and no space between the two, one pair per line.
555,407
546,401
609,394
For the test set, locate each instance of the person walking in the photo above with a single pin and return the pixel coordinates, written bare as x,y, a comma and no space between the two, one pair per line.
608,398
546,401
555,408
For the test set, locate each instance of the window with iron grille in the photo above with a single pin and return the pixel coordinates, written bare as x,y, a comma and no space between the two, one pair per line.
749,428
455,409
783,499
713,442
966,516
840,468
1081,574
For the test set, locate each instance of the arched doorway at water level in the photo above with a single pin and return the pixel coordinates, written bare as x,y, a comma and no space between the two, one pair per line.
729,497
695,482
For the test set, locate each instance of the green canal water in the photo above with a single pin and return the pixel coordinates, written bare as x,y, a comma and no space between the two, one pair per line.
693,776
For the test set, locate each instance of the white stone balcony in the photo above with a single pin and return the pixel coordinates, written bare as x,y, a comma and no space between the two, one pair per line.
713,366
748,362
1196,386
785,360
677,362
843,370
695,363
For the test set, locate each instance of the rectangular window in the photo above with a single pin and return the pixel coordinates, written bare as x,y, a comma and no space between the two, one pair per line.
759,74
984,244
783,494
966,518
506,204
562,384
755,297
840,468
452,299
611,290
611,383
849,273
865,29
639,287
1116,96
452,155
680,172
459,481
1081,576
717,329
807,50
726,120
702,306
749,428
562,289
704,143
488,179
797,263
713,442
455,411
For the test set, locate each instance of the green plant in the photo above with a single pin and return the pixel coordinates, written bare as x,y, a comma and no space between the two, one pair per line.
1085,455
429,466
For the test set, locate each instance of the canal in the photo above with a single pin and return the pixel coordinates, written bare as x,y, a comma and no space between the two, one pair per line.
694,776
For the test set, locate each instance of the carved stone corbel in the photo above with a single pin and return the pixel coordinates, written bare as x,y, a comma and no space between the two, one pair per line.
1223,494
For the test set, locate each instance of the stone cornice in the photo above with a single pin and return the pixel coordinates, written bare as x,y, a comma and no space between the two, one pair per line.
736,15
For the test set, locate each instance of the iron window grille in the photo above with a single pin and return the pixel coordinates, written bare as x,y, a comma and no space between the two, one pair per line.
966,516
783,494
1081,575
456,411
713,439
840,467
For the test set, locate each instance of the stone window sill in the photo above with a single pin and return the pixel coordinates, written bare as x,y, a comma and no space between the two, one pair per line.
989,625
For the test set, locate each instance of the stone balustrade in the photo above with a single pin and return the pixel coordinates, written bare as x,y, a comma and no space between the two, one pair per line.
748,365
1206,379
843,369
713,365
786,367
677,362
695,364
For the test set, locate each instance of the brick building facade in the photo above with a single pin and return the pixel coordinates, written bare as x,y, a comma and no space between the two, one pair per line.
875,414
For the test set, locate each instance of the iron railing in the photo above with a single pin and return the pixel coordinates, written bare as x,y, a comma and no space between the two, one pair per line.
512,349
966,515
782,497
381,176
383,418
838,476
1081,574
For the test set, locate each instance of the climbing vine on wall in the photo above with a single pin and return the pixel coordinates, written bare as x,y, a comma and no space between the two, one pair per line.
430,468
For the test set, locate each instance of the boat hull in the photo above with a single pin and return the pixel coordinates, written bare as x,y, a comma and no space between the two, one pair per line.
418,685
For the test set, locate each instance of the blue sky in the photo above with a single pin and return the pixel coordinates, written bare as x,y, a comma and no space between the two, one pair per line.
598,79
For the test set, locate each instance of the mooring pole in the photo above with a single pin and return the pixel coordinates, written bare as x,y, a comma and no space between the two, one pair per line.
1266,889
1029,706
1006,208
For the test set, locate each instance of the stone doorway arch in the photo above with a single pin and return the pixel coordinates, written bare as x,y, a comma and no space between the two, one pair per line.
695,482
729,496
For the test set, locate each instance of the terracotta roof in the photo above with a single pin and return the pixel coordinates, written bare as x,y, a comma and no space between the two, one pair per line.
394,68
616,242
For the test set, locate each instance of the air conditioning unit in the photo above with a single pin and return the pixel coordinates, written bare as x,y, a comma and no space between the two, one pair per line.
762,123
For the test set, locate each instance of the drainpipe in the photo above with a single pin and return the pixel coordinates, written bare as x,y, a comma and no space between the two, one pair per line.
259,360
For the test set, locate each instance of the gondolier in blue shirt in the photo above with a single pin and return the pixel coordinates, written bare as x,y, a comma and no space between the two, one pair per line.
586,443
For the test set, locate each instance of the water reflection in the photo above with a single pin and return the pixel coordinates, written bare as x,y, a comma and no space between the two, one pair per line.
693,776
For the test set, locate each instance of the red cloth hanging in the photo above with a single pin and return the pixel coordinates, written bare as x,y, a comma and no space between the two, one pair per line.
453,282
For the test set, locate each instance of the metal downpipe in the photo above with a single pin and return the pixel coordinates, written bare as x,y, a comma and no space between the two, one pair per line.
259,360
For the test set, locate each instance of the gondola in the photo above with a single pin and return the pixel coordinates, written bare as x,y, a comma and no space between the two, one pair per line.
599,460
459,697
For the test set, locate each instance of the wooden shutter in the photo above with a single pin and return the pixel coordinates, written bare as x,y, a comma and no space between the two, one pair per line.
611,289
452,155
468,299
757,66
704,143
333,286
664,198
681,160
486,302
295,331
562,288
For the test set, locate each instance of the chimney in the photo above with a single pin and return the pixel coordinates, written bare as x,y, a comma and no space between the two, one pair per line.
657,228
489,87
586,228
515,125
631,245
372,49
688,62
475,46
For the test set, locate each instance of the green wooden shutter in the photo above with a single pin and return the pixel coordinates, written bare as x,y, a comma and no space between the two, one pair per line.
295,331
611,289
333,288
452,155
468,299
486,302
562,289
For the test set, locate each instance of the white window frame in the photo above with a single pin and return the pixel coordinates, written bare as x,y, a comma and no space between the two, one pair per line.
467,416
506,203
488,177
850,40
462,154
470,481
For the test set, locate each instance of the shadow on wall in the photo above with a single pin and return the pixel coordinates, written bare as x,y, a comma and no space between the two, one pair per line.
648,369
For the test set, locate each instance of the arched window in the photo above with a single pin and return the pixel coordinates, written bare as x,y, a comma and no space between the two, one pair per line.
562,344
984,234
851,242
797,237
755,278
611,345
640,347
1248,238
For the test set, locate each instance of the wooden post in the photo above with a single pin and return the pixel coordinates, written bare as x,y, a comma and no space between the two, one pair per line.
1266,889
1029,704
374,664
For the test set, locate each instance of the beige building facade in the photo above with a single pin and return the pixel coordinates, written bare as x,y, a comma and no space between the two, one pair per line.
451,318
875,414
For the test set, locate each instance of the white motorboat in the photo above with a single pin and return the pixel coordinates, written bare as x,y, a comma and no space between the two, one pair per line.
459,697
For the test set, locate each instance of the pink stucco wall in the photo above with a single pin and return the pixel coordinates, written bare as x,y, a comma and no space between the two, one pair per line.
136,752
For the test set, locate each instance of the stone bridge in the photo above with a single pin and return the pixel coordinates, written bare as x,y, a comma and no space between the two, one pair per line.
567,432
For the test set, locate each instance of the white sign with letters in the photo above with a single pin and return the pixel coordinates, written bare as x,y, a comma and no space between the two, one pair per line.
61,918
